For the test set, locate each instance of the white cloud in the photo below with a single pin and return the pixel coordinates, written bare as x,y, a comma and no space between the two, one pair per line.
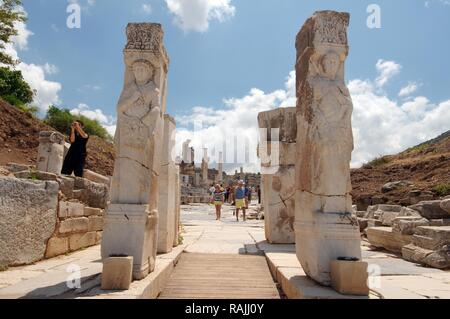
386,70
46,91
211,128
408,89
381,125
442,2
147,8
195,15
107,121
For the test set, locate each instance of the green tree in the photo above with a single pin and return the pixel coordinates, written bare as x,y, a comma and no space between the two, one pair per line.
61,120
13,87
10,14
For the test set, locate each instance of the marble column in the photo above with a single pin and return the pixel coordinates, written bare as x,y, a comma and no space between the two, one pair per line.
131,218
324,226
167,189
177,206
278,129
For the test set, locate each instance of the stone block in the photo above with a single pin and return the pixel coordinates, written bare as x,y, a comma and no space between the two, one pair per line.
131,230
97,195
36,175
279,204
74,225
81,183
117,273
95,223
15,167
95,177
66,185
407,225
432,238
350,277
431,209
57,246
439,259
81,195
384,237
89,211
28,217
439,222
70,210
376,211
80,241
374,223
445,205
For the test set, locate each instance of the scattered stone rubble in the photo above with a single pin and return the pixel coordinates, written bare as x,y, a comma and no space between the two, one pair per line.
420,233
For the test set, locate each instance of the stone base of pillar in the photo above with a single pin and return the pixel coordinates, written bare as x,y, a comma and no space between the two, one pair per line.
324,233
131,230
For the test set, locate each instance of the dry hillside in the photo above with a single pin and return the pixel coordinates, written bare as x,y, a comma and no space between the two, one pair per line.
426,167
19,133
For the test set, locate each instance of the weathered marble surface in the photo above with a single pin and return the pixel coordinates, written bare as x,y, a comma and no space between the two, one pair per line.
28,216
167,189
50,152
177,207
278,173
324,225
131,219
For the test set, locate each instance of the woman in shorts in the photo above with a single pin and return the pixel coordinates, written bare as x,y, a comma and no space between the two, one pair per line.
219,199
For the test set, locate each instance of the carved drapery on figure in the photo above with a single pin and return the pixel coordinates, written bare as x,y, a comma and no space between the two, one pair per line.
325,228
139,114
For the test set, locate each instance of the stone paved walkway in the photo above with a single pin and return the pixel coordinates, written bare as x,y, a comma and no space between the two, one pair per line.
206,238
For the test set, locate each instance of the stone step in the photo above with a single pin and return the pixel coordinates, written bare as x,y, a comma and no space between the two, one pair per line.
384,237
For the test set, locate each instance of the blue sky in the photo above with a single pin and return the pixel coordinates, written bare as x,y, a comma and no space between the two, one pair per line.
222,49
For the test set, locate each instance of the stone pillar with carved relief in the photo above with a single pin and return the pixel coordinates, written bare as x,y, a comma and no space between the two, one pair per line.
131,218
324,226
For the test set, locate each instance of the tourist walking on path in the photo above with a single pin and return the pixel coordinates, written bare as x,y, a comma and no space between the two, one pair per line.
218,201
76,156
240,199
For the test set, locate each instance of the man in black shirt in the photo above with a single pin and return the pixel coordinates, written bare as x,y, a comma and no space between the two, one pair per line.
76,156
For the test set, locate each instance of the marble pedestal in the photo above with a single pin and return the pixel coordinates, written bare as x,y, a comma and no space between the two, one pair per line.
131,230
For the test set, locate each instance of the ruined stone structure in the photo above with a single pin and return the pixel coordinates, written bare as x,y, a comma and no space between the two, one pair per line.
131,218
278,173
177,207
44,215
219,177
324,226
205,162
167,189
50,152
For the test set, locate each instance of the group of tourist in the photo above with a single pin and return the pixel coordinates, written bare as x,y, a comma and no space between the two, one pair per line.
239,196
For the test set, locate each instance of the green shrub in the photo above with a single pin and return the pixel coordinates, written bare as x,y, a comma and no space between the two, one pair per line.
61,120
13,87
442,190
378,162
